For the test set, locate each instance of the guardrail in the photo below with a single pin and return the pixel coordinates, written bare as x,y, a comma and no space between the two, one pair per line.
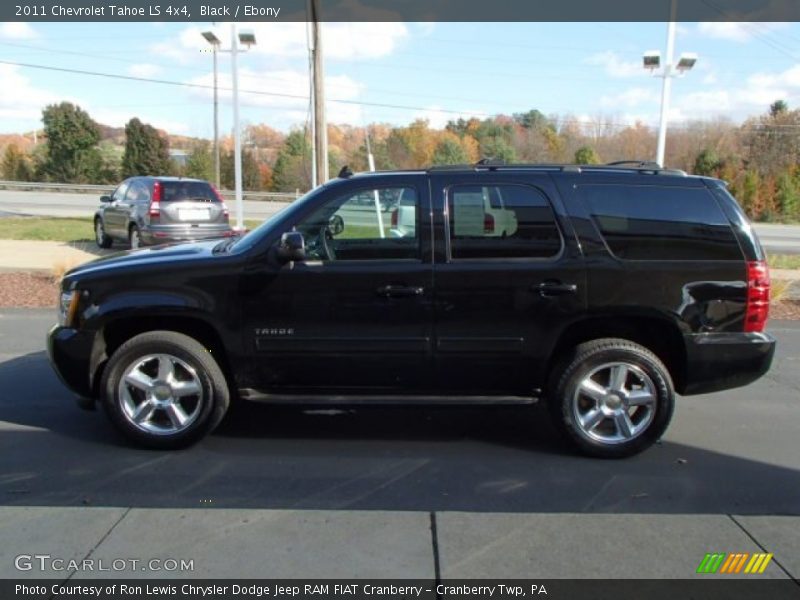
88,188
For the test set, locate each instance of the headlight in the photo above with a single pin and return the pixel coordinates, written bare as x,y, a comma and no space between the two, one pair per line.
68,308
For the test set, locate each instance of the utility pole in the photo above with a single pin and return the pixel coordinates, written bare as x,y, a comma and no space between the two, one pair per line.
237,135
310,41
320,122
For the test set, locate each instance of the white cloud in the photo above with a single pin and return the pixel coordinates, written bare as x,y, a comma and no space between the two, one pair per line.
615,66
288,40
293,84
17,31
20,99
736,31
630,98
144,70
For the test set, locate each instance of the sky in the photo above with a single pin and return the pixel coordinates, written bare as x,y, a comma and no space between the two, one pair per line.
395,72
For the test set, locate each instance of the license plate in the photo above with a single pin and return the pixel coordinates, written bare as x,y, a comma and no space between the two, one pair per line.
193,214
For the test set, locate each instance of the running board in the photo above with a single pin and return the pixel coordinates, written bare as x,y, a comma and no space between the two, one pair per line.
381,399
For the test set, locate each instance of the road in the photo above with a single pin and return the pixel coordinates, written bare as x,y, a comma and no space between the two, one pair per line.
366,485
777,239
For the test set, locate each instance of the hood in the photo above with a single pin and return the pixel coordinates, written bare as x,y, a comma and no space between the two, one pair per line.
167,253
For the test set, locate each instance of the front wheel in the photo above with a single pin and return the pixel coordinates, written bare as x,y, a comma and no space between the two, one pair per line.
612,398
163,389
102,239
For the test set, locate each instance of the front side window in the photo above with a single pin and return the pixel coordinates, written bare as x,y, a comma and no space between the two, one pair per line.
119,193
370,224
642,222
501,221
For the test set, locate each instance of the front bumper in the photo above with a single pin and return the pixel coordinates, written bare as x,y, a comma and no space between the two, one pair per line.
70,353
721,361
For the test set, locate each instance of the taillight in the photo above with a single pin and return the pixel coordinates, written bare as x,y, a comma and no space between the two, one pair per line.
488,223
155,202
225,213
394,218
757,311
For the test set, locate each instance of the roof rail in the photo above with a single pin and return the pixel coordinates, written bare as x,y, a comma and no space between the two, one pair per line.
630,166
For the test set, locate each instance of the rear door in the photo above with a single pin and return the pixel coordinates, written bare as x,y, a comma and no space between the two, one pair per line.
509,277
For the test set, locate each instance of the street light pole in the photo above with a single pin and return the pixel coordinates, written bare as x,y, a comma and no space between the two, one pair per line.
237,137
667,85
216,121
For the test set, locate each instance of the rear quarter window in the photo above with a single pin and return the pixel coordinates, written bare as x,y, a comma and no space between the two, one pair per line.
640,222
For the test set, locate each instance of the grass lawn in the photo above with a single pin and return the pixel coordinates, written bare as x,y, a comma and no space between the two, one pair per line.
51,229
784,261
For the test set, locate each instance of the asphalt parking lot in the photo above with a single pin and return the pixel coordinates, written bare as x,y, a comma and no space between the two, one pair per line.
727,472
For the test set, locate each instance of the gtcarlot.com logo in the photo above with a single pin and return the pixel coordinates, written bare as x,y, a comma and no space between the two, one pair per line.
734,563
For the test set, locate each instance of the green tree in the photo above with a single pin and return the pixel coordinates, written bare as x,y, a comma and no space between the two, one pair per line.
778,108
788,197
251,174
533,119
450,152
497,148
71,133
586,155
16,165
146,151
707,163
293,165
750,197
200,163
104,162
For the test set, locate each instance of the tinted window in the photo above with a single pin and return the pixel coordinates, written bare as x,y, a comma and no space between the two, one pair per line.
661,223
372,224
183,191
501,221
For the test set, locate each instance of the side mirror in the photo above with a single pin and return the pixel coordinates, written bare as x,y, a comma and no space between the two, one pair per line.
105,199
336,225
292,247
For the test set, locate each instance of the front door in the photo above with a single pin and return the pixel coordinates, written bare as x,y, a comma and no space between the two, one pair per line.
115,212
357,314
509,277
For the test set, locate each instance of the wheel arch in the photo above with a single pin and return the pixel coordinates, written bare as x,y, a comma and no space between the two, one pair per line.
116,331
660,335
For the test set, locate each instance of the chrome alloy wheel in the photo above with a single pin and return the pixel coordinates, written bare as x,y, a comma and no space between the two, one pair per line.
99,232
614,403
160,394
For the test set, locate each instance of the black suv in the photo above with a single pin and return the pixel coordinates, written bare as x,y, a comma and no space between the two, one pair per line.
602,290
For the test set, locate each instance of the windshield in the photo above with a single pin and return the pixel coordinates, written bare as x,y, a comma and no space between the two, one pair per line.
253,237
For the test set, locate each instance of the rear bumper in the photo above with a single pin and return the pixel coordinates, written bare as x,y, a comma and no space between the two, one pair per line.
164,235
721,361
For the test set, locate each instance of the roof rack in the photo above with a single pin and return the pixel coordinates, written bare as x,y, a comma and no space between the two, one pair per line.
639,166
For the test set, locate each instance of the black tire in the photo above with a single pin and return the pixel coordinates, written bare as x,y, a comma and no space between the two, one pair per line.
211,406
134,237
101,238
647,377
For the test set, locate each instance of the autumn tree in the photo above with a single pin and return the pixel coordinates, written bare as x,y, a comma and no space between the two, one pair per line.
71,133
292,170
146,151
16,165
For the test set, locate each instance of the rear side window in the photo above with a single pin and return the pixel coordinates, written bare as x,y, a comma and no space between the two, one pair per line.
186,191
501,221
661,223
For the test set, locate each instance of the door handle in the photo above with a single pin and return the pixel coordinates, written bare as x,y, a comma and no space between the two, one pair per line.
399,291
554,288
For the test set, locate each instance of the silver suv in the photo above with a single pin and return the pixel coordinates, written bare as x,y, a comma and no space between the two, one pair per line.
155,210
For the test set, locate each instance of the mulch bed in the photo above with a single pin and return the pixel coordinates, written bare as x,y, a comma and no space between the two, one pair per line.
40,290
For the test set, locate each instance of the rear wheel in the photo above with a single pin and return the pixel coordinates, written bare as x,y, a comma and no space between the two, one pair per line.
612,398
134,238
163,389
100,237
